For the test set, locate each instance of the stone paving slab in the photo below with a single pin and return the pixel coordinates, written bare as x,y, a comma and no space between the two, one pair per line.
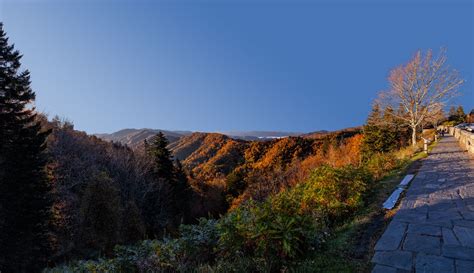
433,229
430,263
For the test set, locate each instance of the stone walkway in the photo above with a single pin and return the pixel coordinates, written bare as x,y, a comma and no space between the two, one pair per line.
433,230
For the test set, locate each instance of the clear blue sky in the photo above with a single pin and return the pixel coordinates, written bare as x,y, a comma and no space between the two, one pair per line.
228,64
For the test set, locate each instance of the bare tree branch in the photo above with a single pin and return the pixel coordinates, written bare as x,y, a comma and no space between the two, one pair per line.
421,88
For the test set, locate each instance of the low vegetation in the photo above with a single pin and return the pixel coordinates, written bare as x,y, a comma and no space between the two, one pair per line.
287,230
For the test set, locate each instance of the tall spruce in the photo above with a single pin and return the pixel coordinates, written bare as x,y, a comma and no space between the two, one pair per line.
383,132
162,158
166,204
159,209
24,188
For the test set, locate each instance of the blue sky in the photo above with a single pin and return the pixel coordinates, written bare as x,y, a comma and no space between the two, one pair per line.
227,65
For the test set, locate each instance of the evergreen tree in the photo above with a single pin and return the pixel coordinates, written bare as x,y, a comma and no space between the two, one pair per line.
182,192
166,204
390,130
161,156
159,206
460,115
380,132
24,188
457,115
452,113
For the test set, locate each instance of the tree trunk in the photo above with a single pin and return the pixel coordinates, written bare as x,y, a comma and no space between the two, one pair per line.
413,136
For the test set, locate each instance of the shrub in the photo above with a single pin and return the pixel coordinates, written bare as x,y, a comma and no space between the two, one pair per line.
195,246
382,163
199,241
335,192
270,233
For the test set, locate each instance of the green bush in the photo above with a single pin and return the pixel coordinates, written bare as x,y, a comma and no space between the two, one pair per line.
336,193
381,164
267,232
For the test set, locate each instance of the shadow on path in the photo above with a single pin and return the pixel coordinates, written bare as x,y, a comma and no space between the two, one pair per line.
433,229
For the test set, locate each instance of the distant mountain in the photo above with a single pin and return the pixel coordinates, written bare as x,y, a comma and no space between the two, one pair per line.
182,149
135,137
342,132
262,135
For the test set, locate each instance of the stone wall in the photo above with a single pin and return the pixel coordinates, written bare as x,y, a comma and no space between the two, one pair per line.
465,138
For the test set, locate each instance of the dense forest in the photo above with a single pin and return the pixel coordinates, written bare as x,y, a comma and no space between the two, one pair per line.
206,202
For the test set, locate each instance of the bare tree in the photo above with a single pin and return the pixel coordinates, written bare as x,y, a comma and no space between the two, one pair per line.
420,88
436,117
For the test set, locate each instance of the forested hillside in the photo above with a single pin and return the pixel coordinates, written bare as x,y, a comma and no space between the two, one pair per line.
238,166
91,178
301,187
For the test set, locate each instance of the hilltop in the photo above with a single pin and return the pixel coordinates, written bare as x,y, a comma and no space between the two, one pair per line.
134,137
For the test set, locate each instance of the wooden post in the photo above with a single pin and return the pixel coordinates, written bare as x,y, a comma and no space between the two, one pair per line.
425,145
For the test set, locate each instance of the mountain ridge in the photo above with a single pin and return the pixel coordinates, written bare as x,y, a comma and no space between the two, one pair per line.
135,137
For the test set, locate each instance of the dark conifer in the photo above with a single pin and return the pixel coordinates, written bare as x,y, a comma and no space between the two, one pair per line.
24,188
381,132
461,116
100,212
159,208
171,192
452,115
182,192
162,159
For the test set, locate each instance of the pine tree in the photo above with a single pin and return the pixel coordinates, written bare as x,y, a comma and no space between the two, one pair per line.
159,208
171,192
162,158
383,132
390,129
24,188
378,136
